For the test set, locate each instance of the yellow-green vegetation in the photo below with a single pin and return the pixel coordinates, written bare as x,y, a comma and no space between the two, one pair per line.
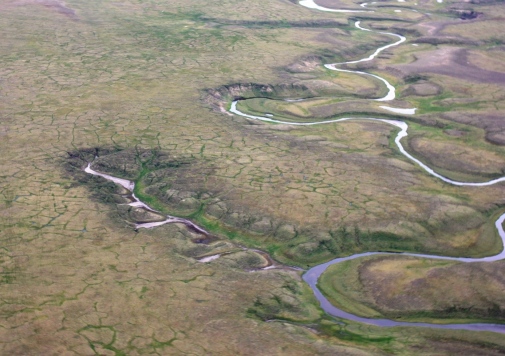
212,194
145,84
414,289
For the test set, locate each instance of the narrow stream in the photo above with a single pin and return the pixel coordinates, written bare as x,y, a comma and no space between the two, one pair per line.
135,202
312,275
130,186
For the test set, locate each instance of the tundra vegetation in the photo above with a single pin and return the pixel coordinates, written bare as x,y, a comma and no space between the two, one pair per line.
142,88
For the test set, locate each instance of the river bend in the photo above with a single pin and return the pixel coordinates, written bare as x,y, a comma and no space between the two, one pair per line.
312,275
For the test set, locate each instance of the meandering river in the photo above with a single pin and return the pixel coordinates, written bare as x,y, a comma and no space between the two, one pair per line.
312,275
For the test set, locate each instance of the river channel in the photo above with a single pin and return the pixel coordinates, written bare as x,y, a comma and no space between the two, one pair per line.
312,275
